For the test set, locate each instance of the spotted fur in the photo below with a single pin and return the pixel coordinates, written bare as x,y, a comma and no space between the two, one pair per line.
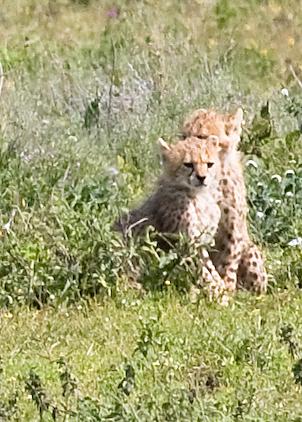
237,259
185,201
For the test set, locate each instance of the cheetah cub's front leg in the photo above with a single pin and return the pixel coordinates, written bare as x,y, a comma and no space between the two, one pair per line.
200,222
230,245
212,281
209,281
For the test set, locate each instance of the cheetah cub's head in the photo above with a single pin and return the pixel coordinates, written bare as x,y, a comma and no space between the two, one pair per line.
193,162
203,123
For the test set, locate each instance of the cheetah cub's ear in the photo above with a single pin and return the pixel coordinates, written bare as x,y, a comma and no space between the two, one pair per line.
165,149
214,140
163,145
235,122
238,117
233,129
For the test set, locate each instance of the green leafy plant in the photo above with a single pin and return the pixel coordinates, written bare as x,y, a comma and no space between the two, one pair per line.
39,396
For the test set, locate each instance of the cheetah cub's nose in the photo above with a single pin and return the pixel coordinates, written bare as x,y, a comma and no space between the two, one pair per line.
201,179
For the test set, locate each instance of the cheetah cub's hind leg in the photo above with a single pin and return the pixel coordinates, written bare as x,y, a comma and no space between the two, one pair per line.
251,273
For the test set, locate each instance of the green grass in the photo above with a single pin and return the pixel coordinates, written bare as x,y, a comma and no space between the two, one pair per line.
85,97
190,362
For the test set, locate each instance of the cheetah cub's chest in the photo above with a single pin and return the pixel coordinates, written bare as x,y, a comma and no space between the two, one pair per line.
203,216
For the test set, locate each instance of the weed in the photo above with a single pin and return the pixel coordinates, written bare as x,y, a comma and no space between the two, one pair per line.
38,394
286,336
128,383
297,371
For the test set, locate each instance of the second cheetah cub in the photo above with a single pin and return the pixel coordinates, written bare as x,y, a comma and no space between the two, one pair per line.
237,259
185,201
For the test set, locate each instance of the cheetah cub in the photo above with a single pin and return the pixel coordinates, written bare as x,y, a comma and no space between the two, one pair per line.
185,201
236,258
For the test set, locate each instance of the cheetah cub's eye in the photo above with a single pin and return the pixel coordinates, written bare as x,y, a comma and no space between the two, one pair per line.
210,165
189,165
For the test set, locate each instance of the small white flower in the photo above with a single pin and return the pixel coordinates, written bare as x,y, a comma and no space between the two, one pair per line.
289,194
6,226
72,138
296,242
276,177
284,92
260,214
25,156
251,163
112,171
260,185
277,201
289,173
